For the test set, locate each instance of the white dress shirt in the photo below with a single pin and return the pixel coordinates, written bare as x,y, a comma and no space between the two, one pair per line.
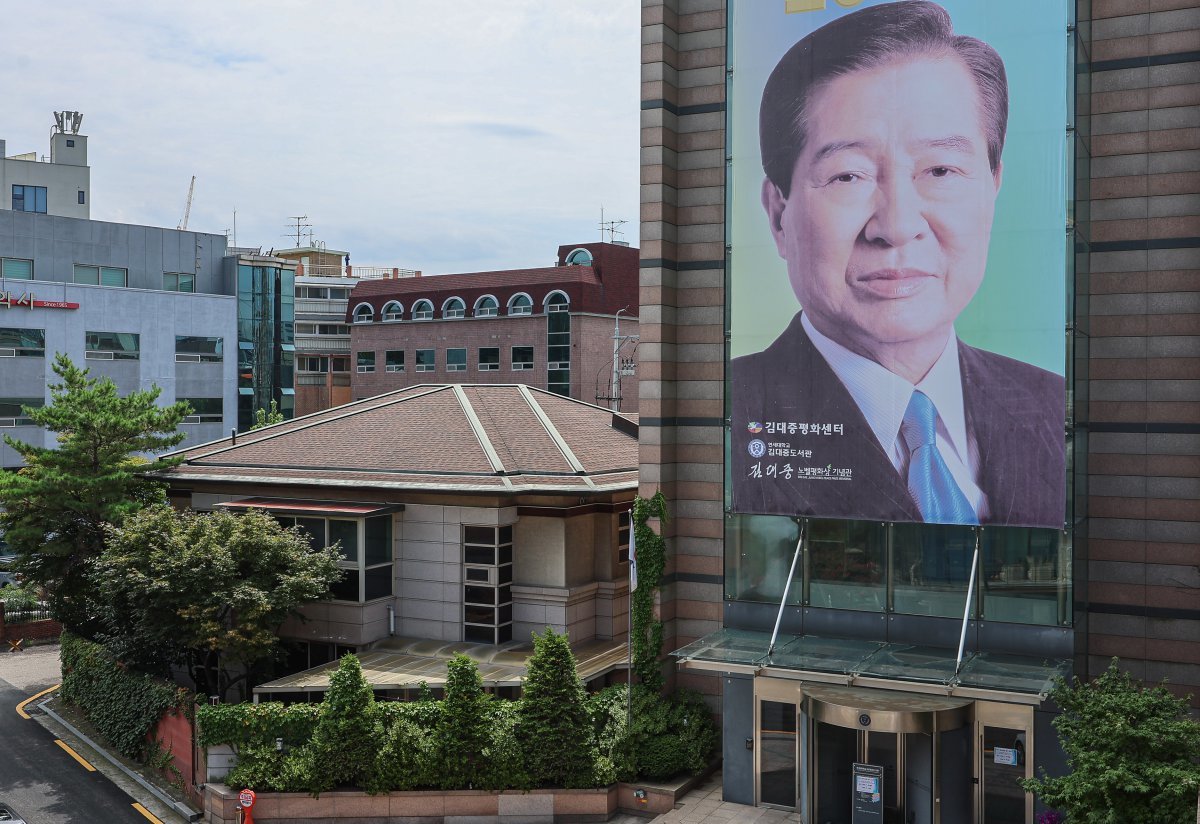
883,397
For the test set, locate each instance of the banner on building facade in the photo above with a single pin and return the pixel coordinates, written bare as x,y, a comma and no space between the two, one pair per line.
898,200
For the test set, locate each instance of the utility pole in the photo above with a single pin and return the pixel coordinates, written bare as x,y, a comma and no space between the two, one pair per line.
614,392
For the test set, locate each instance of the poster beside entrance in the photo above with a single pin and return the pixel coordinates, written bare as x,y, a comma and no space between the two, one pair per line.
868,794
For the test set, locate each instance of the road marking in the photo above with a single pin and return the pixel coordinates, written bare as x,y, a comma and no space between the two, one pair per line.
83,762
147,813
21,707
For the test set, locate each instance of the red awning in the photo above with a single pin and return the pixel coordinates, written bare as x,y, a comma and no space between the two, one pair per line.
290,506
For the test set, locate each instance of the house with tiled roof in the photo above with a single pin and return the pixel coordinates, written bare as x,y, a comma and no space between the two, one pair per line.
468,516
552,327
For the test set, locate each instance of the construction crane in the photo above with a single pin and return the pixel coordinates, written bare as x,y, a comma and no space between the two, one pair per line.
187,211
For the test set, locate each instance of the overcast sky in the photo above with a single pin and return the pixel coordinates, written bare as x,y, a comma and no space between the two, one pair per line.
426,134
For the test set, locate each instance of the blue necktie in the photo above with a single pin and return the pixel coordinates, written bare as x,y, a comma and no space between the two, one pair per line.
929,480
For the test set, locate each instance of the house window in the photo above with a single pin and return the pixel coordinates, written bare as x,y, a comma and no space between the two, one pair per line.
456,360
489,358
191,349
364,313
112,346
487,584
312,363
623,537
454,308
22,343
520,304
422,310
100,275
558,344
486,307
29,199
366,362
394,360
522,358
16,269
426,360
393,311
205,410
366,553
341,364
179,282
11,413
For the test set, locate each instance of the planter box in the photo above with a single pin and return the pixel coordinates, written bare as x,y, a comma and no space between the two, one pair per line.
423,807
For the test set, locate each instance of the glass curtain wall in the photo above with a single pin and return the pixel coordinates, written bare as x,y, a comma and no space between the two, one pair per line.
266,340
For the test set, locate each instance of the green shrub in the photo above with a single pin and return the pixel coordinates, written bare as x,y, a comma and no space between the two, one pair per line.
122,705
553,724
505,766
670,735
408,759
464,730
346,740
240,724
263,768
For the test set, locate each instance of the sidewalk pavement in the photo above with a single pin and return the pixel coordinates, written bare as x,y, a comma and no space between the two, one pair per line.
703,805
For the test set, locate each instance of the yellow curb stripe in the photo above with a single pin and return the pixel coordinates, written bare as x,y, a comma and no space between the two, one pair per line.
146,813
21,707
83,763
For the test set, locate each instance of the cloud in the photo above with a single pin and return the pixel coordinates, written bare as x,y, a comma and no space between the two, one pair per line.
423,134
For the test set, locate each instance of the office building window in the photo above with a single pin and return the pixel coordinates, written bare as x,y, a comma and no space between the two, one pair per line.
193,349
558,344
112,346
366,553
82,197
456,360
422,310
29,199
392,310
522,358
489,358
486,307
366,361
364,313
520,304
100,275
322,329
454,308
623,537
179,282
394,360
205,410
16,269
487,584
426,360
12,414
22,343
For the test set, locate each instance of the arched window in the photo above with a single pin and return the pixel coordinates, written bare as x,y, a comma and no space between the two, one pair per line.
579,257
454,308
393,310
486,307
557,302
422,310
520,304
364,313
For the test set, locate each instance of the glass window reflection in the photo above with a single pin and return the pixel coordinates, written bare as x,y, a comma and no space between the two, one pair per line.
847,562
759,550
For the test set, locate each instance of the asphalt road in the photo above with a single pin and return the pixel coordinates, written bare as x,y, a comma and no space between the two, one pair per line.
43,783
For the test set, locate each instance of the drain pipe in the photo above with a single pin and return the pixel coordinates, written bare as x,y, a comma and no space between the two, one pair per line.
392,620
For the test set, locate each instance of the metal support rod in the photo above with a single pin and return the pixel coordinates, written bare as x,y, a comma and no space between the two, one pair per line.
962,637
787,586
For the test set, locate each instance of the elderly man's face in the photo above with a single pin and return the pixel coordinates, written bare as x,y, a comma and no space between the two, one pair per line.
886,228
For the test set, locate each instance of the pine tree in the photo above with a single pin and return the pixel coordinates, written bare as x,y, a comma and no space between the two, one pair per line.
465,727
553,725
346,741
57,506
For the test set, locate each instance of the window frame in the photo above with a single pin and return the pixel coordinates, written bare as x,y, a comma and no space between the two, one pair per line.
422,313
22,351
113,354
393,316
192,356
388,365
179,282
358,563
453,362
101,272
481,311
360,316
490,365
364,361
522,310
41,198
4,261
204,417
522,365
479,578
454,314
431,366
10,421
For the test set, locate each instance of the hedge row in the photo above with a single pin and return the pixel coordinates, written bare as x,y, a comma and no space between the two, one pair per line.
123,706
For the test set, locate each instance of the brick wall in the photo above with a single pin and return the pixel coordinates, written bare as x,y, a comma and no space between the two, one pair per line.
32,631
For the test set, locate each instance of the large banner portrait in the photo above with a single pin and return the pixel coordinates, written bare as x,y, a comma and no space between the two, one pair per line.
898,259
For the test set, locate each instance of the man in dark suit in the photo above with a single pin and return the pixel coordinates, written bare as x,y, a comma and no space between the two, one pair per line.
882,134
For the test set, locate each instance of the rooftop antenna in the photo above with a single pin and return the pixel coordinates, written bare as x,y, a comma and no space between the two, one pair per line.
299,229
613,227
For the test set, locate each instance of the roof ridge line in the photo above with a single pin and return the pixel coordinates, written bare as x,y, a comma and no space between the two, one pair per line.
551,429
347,414
477,427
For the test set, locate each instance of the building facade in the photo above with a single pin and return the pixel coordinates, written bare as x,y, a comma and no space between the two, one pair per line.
58,185
265,287
553,328
863,666
141,305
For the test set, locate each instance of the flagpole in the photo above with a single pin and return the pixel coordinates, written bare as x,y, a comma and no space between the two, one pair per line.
629,634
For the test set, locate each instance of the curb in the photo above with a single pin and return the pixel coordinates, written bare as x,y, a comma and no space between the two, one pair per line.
179,807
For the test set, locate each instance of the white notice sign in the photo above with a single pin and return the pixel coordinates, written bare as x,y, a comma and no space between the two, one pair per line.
1005,755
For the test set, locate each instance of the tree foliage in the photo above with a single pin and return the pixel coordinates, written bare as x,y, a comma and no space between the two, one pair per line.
651,562
187,588
346,739
553,726
1132,753
267,417
57,506
465,728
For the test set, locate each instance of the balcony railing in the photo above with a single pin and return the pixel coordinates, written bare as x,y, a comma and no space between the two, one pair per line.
381,272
